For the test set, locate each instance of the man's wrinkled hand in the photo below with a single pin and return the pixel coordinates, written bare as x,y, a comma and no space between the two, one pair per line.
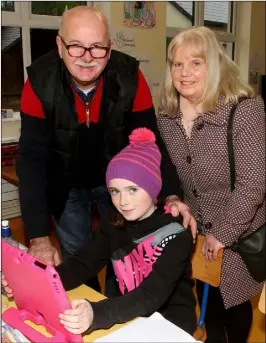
43,249
178,207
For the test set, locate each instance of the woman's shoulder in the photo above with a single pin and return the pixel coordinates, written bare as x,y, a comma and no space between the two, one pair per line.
251,104
173,225
164,119
246,109
162,113
249,109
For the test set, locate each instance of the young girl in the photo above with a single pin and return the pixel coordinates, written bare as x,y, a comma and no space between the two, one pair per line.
149,250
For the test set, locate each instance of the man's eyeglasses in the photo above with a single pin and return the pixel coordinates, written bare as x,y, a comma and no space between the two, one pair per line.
96,51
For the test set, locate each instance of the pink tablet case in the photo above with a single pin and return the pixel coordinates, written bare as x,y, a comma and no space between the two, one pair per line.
39,296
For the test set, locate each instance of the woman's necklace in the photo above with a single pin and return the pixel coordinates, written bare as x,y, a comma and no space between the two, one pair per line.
188,125
190,113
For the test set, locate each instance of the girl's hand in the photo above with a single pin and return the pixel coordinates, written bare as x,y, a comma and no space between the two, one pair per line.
8,290
79,319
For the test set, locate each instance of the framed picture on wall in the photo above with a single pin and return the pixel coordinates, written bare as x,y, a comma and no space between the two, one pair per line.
140,14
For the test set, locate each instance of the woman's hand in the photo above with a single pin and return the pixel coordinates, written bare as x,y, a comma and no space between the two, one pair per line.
79,318
178,207
210,247
8,290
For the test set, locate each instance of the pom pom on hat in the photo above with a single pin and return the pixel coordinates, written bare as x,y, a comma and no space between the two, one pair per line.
141,135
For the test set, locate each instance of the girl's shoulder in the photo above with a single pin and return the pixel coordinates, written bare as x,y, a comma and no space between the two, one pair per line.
169,225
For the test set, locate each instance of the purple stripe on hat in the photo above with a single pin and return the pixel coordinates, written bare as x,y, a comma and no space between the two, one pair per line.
139,163
146,147
146,154
133,155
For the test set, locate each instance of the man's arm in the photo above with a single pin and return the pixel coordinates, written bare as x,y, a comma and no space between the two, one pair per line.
143,115
31,165
32,174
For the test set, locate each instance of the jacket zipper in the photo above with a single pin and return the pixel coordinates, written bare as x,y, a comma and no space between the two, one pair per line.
87,114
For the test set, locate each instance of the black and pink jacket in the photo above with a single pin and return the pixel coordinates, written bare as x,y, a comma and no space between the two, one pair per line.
151,260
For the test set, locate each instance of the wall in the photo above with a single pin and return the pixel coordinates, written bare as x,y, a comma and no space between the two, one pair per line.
258,31
251,36
149,41
257,36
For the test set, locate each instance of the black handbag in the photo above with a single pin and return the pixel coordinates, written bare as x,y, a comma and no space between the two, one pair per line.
252,247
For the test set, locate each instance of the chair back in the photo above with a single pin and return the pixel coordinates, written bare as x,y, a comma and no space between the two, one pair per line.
262,300
208,272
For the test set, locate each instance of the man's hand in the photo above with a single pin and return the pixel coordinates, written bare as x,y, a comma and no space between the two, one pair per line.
177,207
79,319
8,290
43,249
210,247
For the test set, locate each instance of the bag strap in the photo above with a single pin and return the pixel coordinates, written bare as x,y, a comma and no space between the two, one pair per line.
230,147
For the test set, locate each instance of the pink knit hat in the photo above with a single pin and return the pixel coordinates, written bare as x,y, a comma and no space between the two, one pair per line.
139,162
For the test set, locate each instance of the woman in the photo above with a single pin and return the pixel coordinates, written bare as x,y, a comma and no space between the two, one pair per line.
149,249
200,87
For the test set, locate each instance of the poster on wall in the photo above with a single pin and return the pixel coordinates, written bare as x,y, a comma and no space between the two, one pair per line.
139,14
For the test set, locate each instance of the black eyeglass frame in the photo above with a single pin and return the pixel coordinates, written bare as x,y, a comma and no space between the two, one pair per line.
68,46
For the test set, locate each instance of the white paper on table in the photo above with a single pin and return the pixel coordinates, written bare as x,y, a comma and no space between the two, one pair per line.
152,329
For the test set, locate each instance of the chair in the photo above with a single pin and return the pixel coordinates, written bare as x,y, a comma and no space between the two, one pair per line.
210,274
262,300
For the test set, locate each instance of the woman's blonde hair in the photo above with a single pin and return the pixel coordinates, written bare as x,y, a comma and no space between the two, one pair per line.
222,74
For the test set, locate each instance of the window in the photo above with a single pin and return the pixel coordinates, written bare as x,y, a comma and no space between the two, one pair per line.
53,8
12,67
217,15
29,30
42,41
7,6
230,49
37,24
180,14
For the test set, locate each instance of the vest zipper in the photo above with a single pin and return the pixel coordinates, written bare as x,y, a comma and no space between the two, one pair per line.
87,114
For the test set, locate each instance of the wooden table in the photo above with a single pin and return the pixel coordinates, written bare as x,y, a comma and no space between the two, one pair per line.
9,174
78,293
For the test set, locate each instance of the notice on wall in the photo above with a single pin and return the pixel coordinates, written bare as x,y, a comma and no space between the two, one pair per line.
144,63
255,62
124,39
155,85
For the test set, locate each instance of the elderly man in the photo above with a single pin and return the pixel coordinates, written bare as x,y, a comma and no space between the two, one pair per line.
78,106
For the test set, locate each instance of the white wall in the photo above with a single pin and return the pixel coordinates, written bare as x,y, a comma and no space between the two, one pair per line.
150,42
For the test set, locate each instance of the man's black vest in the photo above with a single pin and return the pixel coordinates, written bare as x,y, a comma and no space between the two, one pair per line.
51,83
